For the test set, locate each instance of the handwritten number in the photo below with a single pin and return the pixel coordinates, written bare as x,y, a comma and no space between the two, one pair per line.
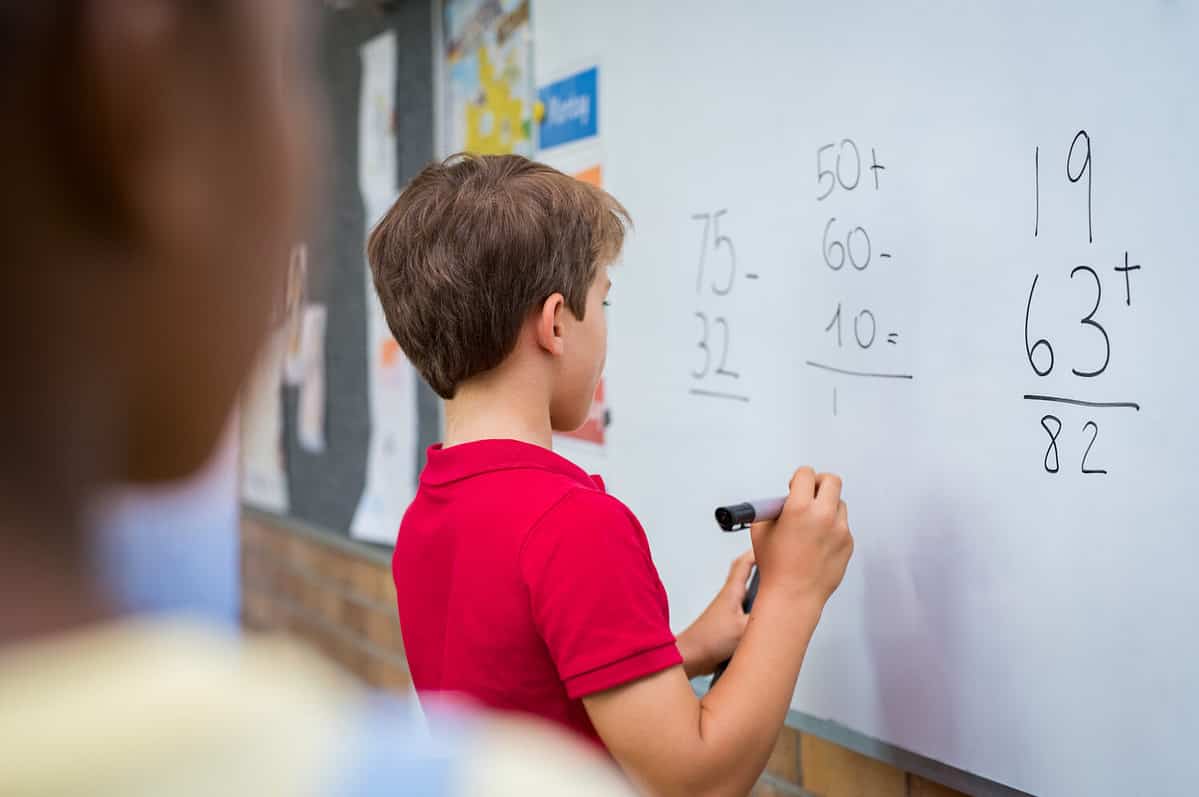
849,248
857,159
1083,168
703,248
836,175
822,173
1089,320
836,322
724,240
868,342
702,344
828,248
1094,427
1052,450
1031,350
724,352
1036,159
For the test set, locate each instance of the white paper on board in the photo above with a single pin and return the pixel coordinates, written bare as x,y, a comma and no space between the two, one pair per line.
391,453
310,419
263,467
297,289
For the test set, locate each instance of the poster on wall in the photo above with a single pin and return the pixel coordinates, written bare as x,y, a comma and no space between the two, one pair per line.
391,452
570,109
489,88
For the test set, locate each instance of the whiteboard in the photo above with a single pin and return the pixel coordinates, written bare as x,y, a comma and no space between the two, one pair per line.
1035,628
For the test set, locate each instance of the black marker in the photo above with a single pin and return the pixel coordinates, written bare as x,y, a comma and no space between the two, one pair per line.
734,518
739,516
751,592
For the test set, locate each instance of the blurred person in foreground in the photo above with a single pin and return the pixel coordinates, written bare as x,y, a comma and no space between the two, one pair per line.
155,155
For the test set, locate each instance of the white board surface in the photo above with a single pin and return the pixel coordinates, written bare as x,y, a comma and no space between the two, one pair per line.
1035,628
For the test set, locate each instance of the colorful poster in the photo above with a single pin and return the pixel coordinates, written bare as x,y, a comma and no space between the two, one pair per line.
489,87
391,453
570,109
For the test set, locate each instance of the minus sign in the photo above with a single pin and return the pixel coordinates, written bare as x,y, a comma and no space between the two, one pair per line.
751,276
885,254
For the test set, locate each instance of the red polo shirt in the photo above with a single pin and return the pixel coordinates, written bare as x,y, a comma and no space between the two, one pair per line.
525,586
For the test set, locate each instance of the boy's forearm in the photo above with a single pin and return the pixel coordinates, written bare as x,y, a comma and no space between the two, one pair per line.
741,716
696,661
674,744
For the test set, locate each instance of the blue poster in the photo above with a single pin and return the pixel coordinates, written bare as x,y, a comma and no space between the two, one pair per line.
571,109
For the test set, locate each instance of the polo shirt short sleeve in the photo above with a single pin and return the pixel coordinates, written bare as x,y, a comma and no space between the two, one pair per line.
523,586
595,595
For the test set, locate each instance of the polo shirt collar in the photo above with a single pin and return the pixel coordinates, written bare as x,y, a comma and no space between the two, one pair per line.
445,465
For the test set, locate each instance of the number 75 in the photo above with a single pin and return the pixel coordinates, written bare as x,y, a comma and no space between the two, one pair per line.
712,225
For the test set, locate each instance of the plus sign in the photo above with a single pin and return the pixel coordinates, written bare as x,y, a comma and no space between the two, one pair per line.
875,166
1125,269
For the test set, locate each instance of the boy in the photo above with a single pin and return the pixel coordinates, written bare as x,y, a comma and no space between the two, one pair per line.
154,153
520,581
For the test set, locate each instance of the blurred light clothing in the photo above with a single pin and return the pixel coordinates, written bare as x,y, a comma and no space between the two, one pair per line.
175,548
168,707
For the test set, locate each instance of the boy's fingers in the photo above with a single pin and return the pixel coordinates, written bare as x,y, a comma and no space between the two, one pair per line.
828,491
740,569
802,486
843,514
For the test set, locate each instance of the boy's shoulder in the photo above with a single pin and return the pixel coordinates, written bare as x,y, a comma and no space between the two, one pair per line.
527,486
504,472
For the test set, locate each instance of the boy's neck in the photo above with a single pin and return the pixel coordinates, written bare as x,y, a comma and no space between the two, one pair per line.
499,406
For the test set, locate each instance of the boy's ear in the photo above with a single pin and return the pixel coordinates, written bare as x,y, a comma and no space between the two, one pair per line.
549,324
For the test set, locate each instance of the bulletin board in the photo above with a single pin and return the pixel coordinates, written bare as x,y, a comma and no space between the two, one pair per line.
323,488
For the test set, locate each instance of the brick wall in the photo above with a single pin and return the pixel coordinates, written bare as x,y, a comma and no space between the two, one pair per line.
338,600
338,597
803,764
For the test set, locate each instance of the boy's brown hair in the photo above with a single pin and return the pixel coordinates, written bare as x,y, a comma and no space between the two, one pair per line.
473,245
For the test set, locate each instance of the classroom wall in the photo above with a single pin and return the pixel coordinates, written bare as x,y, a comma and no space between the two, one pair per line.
301,583
337,597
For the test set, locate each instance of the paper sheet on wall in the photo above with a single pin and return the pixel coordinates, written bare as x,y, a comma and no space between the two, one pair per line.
391,455
263,471
294,361
310,418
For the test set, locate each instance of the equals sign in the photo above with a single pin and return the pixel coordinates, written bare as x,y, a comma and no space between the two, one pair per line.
885,255
893,338
751,276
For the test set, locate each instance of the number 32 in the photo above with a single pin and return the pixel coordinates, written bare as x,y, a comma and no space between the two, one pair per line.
703,345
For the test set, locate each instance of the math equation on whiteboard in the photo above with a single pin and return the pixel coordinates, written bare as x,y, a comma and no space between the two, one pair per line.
1073,420
715,369
856,336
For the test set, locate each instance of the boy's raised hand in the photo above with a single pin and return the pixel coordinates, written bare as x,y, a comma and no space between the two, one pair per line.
672,743
714,635
803,554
